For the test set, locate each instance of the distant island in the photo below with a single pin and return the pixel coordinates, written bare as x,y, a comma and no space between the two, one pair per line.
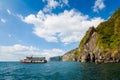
100,44
55,58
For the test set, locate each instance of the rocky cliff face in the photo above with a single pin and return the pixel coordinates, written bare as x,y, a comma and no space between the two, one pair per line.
88,45
102,44
69,56
89,41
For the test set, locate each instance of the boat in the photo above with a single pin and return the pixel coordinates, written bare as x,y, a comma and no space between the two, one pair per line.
31,59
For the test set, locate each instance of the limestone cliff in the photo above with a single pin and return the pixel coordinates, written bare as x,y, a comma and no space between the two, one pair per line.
88,46
102,43
69,56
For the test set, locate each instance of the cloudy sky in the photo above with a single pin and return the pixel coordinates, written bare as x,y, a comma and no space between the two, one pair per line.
48,27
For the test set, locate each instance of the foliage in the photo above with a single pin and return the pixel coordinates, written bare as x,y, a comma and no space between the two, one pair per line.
108,34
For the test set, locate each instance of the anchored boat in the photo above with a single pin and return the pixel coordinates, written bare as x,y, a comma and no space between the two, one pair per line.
30,59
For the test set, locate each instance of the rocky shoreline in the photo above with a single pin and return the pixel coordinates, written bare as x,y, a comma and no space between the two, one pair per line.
90,57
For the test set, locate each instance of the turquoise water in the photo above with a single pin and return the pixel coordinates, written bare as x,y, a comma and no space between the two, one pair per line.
59,71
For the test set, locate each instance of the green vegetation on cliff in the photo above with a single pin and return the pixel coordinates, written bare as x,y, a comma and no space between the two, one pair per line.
108,35
101,42
70,55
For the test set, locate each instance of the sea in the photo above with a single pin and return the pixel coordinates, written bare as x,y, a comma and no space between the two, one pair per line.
59,71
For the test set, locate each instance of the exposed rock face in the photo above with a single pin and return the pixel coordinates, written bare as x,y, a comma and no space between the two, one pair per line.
85,57
89,45
69,56
90,51
92,57
102,44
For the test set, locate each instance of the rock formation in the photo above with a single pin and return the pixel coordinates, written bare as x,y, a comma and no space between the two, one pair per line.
55,58
103,41
101,44
69,56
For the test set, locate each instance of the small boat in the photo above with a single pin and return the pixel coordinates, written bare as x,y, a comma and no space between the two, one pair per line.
30,59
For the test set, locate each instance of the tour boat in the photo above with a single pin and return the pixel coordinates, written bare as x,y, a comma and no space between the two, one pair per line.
30,59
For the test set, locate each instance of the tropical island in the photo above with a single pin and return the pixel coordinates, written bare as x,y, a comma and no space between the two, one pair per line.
100,44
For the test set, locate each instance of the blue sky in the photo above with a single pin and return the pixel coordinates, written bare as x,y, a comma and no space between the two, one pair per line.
48,27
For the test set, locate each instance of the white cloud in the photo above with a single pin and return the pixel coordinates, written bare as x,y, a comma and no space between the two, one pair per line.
52,52
3,20
17,52
99,5
8,11
52,4
66,27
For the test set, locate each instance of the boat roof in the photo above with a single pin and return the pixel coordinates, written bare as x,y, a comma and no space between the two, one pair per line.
36,58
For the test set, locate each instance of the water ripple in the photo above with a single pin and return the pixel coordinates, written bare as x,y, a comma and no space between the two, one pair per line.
59,71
